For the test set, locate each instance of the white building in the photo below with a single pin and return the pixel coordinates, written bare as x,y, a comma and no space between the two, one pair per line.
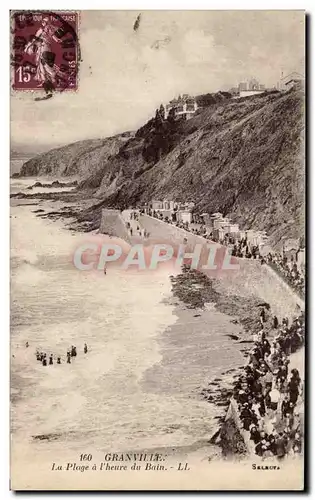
256,238
241,234
184,216
293,79
213,217
219,233
185,106
221,223
233,229
162,205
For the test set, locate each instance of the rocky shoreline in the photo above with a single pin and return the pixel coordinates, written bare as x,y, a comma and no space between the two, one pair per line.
53,185
84,213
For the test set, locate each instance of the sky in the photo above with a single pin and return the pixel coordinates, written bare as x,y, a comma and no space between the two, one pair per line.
125,74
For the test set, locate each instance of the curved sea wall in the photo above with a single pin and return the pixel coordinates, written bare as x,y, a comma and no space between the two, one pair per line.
112,223
251,278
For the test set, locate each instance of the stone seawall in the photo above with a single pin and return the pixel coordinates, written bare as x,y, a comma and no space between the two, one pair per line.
113,224
251,278
162,231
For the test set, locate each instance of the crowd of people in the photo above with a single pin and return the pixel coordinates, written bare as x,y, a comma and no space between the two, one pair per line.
49,360
136,229
289,270
268,394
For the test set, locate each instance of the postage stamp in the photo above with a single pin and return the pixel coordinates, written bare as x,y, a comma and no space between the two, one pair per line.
45,51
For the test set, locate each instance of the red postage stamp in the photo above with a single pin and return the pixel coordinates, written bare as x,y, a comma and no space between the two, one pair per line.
45,51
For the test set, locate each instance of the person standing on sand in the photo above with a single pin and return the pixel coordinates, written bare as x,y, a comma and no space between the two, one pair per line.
85,349
51,360
68,357
44,361
58,360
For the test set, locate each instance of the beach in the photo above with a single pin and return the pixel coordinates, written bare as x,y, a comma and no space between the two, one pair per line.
138,387
154,372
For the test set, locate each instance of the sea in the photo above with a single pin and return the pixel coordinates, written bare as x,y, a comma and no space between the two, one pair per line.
138,386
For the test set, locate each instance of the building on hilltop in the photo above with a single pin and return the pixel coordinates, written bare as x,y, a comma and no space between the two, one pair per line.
253,84
242,86
250,88
292,80
185,106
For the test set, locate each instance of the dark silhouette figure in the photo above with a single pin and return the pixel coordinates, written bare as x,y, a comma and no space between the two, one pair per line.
85,349
51,360
137,23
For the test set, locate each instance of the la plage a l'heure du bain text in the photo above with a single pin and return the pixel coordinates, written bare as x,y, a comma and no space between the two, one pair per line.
121,461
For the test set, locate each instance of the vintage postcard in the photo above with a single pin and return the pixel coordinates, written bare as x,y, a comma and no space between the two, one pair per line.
157,250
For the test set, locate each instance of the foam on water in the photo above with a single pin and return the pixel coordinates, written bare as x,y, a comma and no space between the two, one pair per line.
105,396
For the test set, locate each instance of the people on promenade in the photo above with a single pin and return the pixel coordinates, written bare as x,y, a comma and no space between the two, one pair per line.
267,394
288,270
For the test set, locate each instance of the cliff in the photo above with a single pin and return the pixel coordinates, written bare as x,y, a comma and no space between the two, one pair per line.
241,157
78,159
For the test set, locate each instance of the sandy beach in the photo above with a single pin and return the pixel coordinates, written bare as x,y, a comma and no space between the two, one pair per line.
129,391
157,374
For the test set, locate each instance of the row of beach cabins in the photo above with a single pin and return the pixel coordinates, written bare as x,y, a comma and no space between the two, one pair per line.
250,243
222,229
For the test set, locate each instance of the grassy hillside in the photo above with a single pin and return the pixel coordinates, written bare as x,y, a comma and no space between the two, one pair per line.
241,157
